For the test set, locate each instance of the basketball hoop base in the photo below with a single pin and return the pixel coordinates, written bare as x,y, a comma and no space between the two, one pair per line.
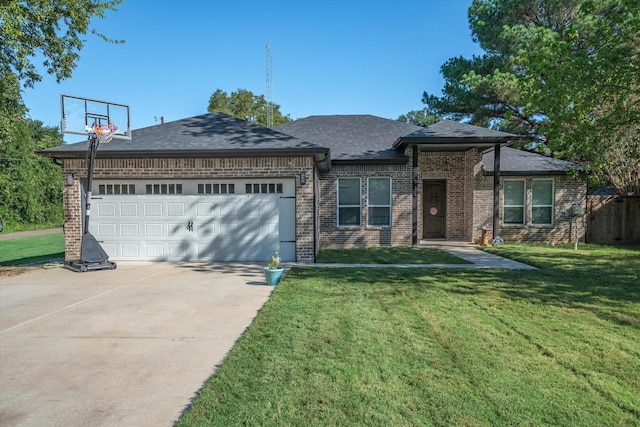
80,266
92,257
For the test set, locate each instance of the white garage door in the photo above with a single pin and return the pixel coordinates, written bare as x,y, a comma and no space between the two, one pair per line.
239,220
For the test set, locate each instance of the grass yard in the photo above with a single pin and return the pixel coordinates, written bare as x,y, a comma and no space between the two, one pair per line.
29,250
401,347
388,255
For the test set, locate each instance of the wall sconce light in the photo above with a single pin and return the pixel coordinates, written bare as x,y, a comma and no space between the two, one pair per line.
68,179
303,177
446,166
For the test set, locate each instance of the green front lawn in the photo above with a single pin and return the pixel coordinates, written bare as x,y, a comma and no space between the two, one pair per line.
29,250
556,346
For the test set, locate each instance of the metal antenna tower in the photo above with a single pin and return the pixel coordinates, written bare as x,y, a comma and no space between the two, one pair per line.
269,89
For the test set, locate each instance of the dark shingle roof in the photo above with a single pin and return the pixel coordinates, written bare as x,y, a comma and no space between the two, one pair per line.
352,137
447,134
211,133
520,162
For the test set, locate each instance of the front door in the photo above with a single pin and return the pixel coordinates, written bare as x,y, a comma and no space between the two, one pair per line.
434,209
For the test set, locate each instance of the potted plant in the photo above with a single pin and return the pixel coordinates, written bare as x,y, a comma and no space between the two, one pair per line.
273,272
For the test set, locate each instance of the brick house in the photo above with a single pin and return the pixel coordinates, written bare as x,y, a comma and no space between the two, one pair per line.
213,187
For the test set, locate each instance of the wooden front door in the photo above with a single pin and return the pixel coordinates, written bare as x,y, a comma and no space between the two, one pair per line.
434,210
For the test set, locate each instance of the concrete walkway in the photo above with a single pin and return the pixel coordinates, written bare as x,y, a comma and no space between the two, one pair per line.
463,250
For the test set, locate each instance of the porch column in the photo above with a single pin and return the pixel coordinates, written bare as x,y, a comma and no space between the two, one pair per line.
496,190
415,173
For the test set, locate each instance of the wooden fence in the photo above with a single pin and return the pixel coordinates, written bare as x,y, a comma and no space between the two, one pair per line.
613,220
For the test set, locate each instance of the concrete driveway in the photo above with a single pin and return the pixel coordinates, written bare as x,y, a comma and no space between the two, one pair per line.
126,347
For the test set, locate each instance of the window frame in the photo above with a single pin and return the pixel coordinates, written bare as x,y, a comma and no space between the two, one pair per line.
370,205
359,205
552,205
523,206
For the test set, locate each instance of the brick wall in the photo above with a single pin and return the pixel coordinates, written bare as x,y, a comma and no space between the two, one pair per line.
399,234
269,167
456,168
567,191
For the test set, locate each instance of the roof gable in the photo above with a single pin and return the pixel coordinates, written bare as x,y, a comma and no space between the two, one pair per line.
211,133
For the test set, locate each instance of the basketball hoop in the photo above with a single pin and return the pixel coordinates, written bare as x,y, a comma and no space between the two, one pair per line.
103,131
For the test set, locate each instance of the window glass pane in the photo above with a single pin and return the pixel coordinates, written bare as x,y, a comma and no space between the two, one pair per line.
379,191
514,192
272,188
541,215
256,188
164,188
125,189
247,188
264,189
156,188
513,215
132,189
216,188
542,192
349,191
149,189
178,188
349,216
379,216
232,188
116,189
101,189
109,189
223,188
279,188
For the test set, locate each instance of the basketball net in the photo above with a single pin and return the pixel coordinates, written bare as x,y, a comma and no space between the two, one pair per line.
103,131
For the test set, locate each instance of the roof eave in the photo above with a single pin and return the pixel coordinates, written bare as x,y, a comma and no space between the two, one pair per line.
164,154
453,142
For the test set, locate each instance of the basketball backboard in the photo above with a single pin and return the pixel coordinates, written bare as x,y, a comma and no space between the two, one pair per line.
79,114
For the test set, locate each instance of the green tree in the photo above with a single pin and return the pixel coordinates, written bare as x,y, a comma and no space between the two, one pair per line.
243,104
47,29
51,31
419,118
563,71
30,185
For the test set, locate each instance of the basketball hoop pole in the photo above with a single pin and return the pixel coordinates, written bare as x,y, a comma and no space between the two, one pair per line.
94,142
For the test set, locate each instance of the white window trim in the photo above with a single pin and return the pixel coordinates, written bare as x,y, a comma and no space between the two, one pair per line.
338,205
369,205
523,206
552,205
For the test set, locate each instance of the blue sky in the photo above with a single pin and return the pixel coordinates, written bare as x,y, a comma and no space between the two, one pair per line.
329,57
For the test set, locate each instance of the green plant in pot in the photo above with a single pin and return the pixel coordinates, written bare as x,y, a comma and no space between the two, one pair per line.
273,272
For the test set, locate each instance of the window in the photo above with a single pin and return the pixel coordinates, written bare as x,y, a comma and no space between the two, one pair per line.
513,203
379,200
117,189
163,188
348,202
542,202
216,188
264,188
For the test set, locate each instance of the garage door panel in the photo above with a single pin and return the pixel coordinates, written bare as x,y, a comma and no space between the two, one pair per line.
176,230
130,250
207,210
129,230
225,227
128,209
153,209
153,230
175,209
155,250
228,211
107,209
